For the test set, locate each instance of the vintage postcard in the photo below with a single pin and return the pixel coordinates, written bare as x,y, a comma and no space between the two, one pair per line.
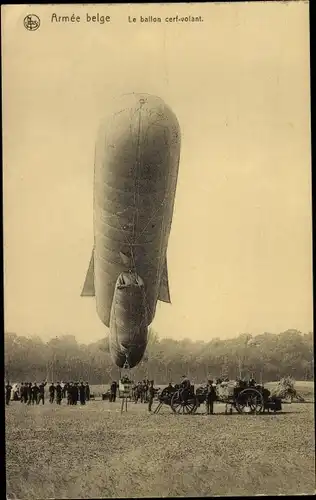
157,250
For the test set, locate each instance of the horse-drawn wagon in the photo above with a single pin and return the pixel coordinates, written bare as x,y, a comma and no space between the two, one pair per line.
242,397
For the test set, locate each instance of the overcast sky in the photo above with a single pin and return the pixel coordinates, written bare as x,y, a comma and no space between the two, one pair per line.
240,246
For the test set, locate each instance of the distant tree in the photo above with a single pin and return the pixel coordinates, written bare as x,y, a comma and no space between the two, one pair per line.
266,356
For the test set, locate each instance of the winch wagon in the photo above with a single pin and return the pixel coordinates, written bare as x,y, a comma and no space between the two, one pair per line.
244,398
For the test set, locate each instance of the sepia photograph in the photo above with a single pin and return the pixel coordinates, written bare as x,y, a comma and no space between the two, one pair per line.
158,275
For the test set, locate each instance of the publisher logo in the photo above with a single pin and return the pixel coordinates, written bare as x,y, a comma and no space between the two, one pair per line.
32,22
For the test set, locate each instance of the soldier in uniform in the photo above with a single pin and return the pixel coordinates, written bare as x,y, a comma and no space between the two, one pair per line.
186,386
22,392
87,392
26,392
75,393
82,394
185,382
72,393
35,393
59,393
210,398
169,389
139,391
145,390
134,386
8,389
151,394
42,392
29,393
113,390
142,391
64,390
51,390
69,393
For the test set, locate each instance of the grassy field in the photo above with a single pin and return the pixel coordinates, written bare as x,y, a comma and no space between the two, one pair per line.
94,451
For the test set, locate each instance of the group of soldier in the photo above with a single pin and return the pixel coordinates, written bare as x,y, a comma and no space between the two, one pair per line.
143,391
75,392
33,393
140,391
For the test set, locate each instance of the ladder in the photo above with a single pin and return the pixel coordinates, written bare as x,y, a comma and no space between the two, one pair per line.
126,367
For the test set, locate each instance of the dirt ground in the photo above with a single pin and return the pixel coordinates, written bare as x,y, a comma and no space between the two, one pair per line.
95,451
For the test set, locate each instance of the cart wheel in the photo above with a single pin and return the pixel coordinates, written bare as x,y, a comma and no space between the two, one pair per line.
179,405
249,401
195,409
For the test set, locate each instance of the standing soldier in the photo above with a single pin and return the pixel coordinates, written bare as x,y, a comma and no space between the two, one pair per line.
26,392
75,393
142,391
51,390
82,394
151,393
139,392
134,388
35,393
15,392
42,392
113,390
8,389
145,390
211,396
29,393
69,393
64,389
58,393
148,384
87,392
22,392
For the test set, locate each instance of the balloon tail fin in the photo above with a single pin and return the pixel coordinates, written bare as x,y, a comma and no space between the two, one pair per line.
88,287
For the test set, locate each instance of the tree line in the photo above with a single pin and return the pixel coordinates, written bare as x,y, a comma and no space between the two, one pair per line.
266,357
